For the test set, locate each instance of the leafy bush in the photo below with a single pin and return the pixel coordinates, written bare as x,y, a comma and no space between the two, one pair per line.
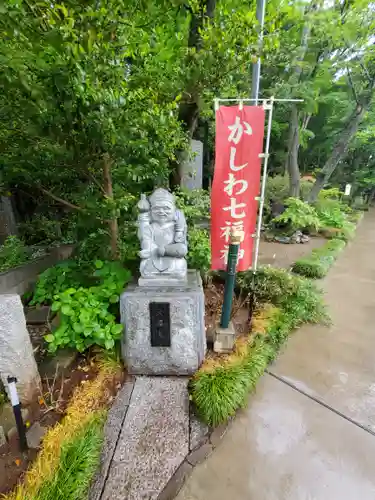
86,315
219,390
13,253
78,462
317,264
195,204
56,279
297,296
299,215
334,215
199,255
332,194
277,188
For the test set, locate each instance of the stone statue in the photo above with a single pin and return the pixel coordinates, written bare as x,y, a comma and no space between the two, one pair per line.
162,232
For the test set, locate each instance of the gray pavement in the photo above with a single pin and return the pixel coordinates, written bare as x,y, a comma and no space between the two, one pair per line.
309,431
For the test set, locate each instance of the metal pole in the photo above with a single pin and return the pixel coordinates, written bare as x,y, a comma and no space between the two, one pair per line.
14,399
235,240
263,188
218,100
255,81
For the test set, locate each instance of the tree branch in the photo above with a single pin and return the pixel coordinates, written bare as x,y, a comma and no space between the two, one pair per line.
352,84
60,200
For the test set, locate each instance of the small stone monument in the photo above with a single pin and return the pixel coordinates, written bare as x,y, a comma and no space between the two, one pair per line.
192,167
16,352
163,316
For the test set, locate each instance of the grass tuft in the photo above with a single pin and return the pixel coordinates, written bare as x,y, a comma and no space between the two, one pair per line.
78,462
317,264
88,400
219,393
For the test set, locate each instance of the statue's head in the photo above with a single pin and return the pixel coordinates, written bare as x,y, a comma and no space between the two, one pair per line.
163,208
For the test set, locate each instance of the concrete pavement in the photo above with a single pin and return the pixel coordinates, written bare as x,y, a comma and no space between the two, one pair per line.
309,431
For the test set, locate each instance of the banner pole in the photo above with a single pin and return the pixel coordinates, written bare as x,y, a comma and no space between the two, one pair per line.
263,186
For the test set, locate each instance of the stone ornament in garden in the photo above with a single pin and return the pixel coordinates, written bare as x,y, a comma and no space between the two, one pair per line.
162,232
163,316
16,352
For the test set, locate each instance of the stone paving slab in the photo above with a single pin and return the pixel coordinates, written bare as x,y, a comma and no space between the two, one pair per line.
153,442
112,429
285,446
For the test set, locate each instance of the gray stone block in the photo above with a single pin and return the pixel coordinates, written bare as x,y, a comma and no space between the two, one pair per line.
16,352
35,435
192,167
154,439
199,432
188,341
224,339
112,429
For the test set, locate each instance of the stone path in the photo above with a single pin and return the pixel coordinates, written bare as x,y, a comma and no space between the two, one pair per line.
150,436
309,431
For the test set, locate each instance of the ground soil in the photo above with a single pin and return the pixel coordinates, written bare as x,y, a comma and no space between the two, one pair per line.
284,255
48,409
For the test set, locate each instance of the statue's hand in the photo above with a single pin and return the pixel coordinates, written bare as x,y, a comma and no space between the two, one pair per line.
161,251
145,254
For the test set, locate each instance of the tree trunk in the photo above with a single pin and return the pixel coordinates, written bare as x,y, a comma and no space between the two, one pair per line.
340,148
112,223
291,163
189,109
293,170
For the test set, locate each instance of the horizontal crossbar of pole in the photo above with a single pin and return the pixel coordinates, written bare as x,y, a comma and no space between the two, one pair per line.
260,99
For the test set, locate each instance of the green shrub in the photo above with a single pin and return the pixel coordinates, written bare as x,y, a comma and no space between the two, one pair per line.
13,253
317,264
199,255
299,215
88,315
56,279
195,204
78,463
294,295
333,214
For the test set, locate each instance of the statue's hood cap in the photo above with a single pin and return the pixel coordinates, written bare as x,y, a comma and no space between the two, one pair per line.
161,194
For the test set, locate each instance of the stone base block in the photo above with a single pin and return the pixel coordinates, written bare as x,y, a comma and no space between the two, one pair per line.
224,339
187,343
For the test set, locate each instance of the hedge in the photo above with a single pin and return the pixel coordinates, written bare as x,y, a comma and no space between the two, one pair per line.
318,263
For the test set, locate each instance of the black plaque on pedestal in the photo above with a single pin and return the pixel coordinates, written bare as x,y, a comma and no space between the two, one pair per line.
160,324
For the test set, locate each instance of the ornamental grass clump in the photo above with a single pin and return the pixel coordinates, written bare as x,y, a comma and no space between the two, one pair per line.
61,455
318,263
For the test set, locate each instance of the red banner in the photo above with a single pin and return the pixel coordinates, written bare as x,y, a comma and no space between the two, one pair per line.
239,142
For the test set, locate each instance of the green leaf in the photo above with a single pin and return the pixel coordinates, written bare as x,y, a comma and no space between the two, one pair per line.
67,310
109,343
114,298
99,264
49,338
116,329
77,327
56,306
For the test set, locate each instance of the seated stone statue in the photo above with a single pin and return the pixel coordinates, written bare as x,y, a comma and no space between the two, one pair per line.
162,232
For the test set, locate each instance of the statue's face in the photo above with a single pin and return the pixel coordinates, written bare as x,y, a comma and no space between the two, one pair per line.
162,211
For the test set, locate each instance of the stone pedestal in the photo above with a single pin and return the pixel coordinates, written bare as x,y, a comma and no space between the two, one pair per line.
224,339
16,352
178,347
